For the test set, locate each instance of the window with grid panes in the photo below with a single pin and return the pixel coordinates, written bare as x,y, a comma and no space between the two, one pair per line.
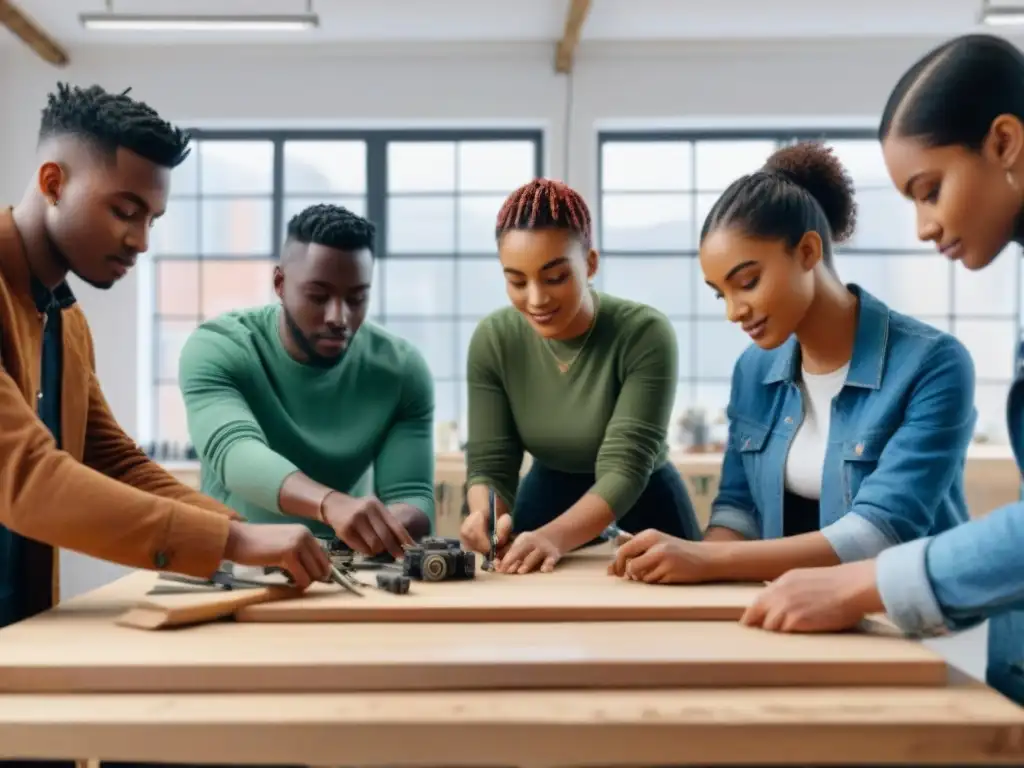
433,195
656,189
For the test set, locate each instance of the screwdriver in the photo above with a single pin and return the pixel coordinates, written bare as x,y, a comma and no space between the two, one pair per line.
489,565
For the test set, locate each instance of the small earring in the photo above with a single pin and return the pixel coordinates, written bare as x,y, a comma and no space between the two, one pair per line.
1011,181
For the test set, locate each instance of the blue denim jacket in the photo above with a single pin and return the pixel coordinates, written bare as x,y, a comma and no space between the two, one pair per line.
953,581
897,443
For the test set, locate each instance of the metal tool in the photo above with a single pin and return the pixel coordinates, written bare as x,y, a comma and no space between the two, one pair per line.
220,581
488,563
346,580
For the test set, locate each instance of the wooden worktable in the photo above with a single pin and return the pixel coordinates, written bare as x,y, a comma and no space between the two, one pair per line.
80,687
964,724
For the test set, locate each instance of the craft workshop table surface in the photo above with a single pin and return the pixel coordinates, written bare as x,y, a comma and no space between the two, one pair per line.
529,693
80,648
962,724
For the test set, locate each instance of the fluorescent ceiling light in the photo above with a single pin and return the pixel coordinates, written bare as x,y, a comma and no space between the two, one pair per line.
125,22
1002,17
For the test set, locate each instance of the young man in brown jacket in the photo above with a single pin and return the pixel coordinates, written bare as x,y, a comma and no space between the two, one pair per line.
69,475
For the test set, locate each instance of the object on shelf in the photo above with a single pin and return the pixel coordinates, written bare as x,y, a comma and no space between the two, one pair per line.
446,437
718,435
693,430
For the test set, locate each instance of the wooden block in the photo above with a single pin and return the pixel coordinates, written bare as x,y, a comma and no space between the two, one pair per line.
37,656
167,611
849,726
579,590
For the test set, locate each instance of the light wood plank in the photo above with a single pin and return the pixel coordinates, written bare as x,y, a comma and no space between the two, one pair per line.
36,656
954,725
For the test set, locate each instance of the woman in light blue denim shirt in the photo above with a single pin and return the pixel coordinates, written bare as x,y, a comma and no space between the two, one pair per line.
848,422
953,139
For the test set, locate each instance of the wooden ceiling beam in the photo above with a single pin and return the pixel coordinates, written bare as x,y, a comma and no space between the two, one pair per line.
33,35
565,52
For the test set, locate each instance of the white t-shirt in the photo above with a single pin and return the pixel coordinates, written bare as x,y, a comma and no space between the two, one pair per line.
806,458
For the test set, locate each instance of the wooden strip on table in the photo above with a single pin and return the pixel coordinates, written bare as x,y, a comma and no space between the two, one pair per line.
579,590
571,595
36,656
170,611
950,725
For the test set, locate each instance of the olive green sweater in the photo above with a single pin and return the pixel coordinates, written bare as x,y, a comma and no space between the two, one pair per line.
607,416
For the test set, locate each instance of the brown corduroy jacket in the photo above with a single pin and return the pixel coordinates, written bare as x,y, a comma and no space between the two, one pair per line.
98,494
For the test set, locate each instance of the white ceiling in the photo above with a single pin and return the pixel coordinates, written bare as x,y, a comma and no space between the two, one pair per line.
366,21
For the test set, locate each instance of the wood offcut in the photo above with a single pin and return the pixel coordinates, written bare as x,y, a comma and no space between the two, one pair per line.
32,34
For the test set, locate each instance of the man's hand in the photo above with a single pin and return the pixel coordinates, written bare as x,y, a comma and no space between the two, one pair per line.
365,524
475,533
817,599
293,548
530,551
658,558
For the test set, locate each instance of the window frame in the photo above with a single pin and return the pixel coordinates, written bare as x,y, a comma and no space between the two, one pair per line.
376,196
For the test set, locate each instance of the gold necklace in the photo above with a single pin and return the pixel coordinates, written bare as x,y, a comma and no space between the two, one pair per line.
563,365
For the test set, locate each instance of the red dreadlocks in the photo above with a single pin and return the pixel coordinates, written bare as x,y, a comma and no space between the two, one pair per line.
546,204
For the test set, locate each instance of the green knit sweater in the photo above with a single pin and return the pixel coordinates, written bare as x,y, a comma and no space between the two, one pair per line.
607,416
255,415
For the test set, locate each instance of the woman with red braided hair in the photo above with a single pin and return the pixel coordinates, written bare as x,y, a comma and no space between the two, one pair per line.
582,381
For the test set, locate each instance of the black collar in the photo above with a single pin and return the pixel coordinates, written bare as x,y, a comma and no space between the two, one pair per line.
60,297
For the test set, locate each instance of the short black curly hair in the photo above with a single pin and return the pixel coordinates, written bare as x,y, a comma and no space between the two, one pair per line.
333,226
802,187
109,121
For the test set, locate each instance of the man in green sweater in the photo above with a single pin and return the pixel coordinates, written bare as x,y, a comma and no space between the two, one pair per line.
303,411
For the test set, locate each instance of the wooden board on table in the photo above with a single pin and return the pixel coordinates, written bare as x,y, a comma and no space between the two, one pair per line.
960,725
79,648
578,590
167,611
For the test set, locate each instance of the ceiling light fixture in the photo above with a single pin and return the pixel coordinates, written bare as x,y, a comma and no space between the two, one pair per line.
124,22
1001,16
120,22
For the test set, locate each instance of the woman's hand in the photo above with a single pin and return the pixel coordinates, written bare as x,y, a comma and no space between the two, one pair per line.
530,551
475,533
817,599
657,558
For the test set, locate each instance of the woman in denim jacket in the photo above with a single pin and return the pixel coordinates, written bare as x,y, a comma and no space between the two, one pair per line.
848,422
953,139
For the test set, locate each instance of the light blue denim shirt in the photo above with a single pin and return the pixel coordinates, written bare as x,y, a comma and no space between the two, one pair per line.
953,581
897,443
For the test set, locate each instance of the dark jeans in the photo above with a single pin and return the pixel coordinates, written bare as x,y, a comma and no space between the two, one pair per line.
664,505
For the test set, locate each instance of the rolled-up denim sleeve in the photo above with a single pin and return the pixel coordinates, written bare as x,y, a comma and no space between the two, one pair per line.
957,579
902,495
902,578
853,537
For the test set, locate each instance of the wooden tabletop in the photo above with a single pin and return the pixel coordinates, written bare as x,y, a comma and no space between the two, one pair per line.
962,724
626,693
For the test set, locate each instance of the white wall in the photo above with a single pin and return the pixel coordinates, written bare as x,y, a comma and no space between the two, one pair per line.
763,83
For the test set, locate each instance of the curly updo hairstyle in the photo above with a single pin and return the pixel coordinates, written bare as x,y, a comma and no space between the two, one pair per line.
801,188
